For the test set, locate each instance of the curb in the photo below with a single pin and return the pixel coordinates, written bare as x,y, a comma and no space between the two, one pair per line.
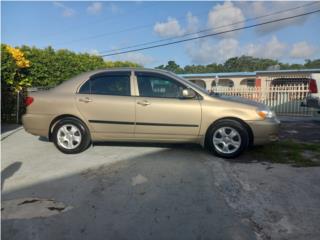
9,133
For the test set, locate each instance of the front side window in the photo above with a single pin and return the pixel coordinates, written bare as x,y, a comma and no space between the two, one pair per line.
155,85
118,85
85,88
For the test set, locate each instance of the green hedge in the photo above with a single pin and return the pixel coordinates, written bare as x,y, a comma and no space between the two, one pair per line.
48,67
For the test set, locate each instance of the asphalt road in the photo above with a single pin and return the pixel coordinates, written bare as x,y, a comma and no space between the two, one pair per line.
115,191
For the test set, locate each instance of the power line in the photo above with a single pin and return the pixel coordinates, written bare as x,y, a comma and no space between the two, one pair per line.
125,30
104,19
208,29
212,34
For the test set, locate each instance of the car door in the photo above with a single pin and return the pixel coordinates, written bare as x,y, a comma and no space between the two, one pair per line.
105,101
161,112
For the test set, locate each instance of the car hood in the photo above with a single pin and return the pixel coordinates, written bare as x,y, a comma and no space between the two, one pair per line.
241,100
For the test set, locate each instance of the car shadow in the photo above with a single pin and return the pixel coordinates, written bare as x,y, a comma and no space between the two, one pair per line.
139,144
43,139
148,144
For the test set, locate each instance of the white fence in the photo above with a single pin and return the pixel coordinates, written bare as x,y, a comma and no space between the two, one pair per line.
284,99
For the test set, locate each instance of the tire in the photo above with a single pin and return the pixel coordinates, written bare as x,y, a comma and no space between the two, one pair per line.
71,136
227,138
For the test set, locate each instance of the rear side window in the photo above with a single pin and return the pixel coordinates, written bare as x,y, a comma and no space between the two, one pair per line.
117,85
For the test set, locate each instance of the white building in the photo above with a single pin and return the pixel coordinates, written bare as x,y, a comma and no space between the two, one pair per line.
251,79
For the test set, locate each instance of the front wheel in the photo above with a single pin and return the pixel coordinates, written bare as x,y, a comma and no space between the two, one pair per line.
71,136
227,138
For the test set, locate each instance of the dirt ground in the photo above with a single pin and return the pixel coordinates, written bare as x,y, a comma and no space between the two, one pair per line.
305,131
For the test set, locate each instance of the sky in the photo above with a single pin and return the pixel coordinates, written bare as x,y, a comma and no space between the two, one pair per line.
98,27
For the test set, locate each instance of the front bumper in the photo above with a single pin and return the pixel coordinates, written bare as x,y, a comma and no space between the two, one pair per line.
265,131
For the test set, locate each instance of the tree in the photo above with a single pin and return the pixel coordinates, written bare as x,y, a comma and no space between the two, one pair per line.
171,66
312,64
239,64
26,66
14,68
51,67
248,64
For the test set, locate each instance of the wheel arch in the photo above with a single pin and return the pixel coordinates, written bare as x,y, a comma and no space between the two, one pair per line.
60,117
243,123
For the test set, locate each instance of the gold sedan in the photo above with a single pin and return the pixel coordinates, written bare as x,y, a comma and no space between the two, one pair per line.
149,106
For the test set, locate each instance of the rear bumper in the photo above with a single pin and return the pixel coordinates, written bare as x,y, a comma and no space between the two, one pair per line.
37,124
265,131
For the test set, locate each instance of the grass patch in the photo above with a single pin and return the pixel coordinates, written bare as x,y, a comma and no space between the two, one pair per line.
297,154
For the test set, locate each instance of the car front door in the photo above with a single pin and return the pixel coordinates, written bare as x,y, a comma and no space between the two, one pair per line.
105,101
161,112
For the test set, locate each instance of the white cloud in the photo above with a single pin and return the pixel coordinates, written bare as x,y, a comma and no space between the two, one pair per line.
206,51
114,8
66,11
94,8
273,49
223,15
170,28
193,23
94,52
261,8
302,50
136,57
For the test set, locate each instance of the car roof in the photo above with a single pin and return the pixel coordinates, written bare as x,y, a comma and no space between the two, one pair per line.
73,83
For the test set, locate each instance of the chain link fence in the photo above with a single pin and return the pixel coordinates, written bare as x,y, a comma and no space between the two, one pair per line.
12,103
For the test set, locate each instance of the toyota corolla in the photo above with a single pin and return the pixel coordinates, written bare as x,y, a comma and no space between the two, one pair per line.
149,106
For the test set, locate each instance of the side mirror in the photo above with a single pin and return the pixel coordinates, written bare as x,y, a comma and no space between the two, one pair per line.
188,93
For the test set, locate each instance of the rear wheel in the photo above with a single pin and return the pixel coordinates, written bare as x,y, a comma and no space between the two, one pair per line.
71,136
227,138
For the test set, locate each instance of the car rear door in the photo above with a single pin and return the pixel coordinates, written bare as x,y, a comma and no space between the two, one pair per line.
161,113
105,101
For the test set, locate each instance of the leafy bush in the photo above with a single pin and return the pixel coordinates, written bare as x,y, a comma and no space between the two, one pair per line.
51,67
30,66
14,68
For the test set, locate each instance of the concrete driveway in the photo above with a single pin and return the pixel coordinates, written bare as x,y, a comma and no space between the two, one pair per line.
139,191
112,192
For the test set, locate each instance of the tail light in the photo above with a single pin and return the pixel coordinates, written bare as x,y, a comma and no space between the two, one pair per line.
313,86
28,101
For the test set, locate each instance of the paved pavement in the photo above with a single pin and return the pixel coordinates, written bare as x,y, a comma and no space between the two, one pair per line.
113,192
139,191
8,129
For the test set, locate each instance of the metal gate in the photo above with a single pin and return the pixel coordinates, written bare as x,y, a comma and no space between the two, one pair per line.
284,99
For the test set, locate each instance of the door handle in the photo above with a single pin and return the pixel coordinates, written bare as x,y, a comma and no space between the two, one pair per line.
143,103
85,100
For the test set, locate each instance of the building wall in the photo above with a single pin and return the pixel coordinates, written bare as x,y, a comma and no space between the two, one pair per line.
208,82
263,79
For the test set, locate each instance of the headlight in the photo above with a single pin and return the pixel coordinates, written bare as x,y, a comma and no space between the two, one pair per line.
266,114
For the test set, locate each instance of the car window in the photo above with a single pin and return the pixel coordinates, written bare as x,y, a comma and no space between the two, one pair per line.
85,88
154,85
107,85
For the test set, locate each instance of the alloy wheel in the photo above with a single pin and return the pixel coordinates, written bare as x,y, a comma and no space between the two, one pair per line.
69,136
226,140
